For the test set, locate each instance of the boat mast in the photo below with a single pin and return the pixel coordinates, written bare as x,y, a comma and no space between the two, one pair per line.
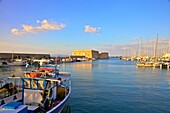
134,52
168,47
155,47
140,47
147,48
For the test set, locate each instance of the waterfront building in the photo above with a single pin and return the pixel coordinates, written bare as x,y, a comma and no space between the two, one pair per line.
9,56
90,54
104,55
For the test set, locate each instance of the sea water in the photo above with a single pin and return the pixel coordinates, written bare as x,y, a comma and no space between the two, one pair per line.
114,86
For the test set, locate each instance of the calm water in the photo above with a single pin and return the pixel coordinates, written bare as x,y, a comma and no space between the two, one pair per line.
115,86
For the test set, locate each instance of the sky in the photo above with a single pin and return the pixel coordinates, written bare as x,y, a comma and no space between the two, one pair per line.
60,26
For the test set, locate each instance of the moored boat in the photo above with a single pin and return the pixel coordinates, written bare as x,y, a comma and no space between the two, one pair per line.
17,62
145,64
166,64
157,64
140,64
41,93
149,64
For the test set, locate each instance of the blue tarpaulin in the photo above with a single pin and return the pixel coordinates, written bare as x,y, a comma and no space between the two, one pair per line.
12,105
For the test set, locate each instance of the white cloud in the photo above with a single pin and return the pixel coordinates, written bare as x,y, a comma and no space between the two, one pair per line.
45,26
90,29
38,21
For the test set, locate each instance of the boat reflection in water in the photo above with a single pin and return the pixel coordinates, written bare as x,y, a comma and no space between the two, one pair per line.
84,68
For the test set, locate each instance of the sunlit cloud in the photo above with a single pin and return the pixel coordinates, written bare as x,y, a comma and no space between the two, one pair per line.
43,27
90,29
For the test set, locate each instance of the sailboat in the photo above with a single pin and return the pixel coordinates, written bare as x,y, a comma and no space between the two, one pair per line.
150,63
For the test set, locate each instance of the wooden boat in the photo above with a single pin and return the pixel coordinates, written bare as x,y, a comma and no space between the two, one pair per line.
42,94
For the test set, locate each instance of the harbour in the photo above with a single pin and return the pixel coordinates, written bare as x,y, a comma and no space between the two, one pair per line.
113,85
85,56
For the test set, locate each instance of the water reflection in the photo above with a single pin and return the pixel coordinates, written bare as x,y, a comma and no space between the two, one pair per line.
83,68
155,78
67,109
124,87
17,70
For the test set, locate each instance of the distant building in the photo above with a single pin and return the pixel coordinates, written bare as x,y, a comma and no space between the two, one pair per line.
104,55
91,54
8,56
87,53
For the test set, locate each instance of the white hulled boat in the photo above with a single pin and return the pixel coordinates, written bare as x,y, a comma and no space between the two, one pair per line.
45,93
17,62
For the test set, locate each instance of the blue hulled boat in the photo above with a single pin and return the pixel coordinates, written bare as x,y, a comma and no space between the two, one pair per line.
42,94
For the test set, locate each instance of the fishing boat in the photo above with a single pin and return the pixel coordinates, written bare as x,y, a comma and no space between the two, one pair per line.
4,64
42,94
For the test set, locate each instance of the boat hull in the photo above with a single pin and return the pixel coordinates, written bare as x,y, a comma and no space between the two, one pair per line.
17,64
15,97
58,108
4,66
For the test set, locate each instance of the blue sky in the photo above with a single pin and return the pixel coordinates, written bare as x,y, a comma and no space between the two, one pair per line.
60,26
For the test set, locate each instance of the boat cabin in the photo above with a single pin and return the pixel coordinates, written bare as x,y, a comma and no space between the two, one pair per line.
37,91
